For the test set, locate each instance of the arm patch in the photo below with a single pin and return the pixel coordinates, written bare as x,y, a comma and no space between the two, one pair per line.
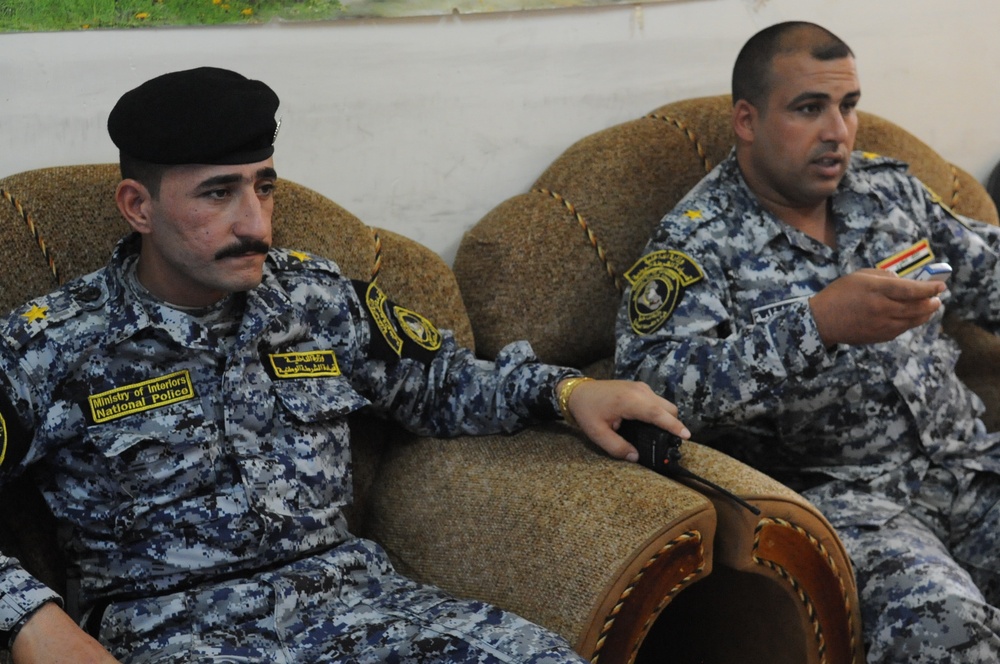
15,440
397,332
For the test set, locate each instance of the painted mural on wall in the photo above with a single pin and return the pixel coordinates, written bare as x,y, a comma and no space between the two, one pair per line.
50,15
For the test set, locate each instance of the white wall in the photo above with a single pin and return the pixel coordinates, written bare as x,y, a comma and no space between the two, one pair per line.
423,125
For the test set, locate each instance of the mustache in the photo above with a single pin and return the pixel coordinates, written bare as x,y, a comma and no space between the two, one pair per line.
242,248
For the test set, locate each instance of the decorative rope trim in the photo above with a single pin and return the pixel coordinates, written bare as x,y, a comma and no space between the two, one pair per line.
610,620
793,582
377,259
956,187
693,137
33,229
591,236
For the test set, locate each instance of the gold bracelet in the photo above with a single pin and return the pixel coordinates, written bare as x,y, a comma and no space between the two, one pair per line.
565,392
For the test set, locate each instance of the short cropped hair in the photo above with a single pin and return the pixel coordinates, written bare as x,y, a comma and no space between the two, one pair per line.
148,174
752,71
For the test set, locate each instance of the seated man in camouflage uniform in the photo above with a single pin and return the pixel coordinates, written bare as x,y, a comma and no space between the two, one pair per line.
786,329
203,491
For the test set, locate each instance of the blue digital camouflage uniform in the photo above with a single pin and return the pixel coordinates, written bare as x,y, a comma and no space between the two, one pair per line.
883,438
202,462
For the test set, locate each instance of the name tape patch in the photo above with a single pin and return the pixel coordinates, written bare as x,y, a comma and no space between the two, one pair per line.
310,364
138,397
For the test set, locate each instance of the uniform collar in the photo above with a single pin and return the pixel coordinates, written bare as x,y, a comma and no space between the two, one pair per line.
136,313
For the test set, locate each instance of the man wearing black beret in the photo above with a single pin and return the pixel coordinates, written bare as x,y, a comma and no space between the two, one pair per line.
186,420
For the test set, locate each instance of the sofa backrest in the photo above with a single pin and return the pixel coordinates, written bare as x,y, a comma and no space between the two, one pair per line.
547,265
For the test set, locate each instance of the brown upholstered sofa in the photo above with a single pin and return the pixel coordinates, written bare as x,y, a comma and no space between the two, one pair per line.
547,266
617,559
540,523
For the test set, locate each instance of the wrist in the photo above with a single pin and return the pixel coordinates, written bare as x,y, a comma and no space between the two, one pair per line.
564,391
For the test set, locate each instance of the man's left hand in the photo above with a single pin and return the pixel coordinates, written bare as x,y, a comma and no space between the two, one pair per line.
599,407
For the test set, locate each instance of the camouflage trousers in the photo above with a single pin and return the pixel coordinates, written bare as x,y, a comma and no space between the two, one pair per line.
929,578
344,606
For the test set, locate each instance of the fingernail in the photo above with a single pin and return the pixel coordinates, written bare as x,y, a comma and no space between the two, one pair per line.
632,456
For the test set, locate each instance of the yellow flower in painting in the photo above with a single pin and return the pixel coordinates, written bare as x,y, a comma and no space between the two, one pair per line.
142,16
216,2
247,12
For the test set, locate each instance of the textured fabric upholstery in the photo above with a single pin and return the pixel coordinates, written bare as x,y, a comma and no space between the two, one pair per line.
540,523
547,266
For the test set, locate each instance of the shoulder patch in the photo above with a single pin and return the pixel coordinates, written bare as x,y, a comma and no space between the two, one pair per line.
658,282
14,439
937,200
285,260
31,319
874,160
397,332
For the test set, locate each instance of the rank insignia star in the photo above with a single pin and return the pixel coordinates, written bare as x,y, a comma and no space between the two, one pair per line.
35,313
302,256
693,214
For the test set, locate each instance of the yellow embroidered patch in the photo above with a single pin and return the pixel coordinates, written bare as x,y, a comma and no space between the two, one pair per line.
418,328
35,313
908,259
658,282
138,397
375,300
311,364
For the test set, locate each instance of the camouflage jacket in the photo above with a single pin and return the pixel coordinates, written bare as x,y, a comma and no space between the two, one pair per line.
178,451
717,319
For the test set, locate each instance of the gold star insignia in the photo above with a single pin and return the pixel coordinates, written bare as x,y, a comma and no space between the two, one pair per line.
302,256
693,214
35,313
870,155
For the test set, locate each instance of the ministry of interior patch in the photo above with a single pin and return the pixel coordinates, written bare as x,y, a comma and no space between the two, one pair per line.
658,283
137,397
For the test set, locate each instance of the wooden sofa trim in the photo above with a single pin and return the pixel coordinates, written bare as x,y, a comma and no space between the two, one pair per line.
673,567
799,558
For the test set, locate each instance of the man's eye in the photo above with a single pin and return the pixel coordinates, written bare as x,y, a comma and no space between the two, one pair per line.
217,194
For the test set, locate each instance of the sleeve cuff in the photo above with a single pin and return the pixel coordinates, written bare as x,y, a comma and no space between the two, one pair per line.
23,595
796,339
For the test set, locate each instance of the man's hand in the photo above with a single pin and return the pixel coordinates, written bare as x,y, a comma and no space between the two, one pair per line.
599,407
51,637
871,306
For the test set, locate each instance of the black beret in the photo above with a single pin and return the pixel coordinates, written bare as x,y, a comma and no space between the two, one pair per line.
198,116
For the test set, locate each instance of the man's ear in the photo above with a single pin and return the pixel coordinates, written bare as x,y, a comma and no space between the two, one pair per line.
744,120
135,204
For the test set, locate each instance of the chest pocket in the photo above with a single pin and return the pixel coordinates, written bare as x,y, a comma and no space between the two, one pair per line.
304,466
149,460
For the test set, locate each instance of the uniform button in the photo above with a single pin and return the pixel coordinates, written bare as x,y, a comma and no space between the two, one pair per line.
89,293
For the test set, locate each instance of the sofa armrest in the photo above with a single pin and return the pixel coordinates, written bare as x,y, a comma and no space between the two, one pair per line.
795,550
543,524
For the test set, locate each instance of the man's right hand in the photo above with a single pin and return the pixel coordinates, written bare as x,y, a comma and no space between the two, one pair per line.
51,637
871,306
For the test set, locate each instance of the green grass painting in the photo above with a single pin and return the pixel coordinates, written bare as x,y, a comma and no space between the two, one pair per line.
48,15
51,15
